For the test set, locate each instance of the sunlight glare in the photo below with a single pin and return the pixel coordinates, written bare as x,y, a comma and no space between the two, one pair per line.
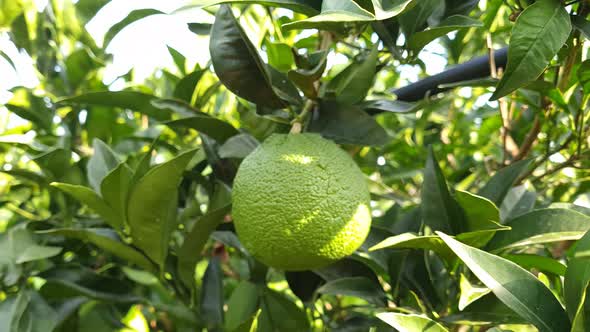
298,159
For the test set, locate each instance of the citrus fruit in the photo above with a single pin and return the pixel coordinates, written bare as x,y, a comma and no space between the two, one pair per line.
300,202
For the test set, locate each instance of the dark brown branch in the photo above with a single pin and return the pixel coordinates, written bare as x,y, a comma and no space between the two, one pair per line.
530,138
565,164
539,162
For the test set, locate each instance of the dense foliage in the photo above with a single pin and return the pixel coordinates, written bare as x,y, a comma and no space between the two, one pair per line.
115,196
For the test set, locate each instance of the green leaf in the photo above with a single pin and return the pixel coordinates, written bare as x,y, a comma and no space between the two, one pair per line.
460,6
180,312
348,124
17,247
420,39
308,7
541,226
577,278
8,59
480,213
360,287
241,305
151,210
217,129
345,268
24,174
194,242
388,32
352,84
304,284
518,201
140,277
410,322
27,312
220,197
251,325
485,310
103,161
80,64
433,242
73,281
136,101
39,316
305,78
9,10
238,146
499,185
55,163
143,164
514,286
439,210
202,29
17,311
29,106
581,322
115,191
178,58
212,295
133,16
469,293
386,9
541,263
283,87
415,18
90,197
280,314
334,13
584,76
185,88
38,117
106,239
230,239
237,63
582,25
538,34
87,9
280,56
413,241
578,208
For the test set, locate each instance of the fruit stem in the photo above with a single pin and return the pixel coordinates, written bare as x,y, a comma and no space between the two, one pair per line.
297,122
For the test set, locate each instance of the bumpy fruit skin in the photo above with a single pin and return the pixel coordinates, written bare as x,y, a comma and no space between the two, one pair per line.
300,202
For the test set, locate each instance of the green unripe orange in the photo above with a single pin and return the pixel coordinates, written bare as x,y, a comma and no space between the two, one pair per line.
300,202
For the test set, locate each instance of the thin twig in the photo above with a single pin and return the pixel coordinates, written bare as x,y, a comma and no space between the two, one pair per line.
297,124
277,30
529,140
23,213
572,2
539,162
565,164
360,48
504,112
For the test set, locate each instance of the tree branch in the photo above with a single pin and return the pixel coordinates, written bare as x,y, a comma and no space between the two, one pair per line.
539,162
530,138
565,164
